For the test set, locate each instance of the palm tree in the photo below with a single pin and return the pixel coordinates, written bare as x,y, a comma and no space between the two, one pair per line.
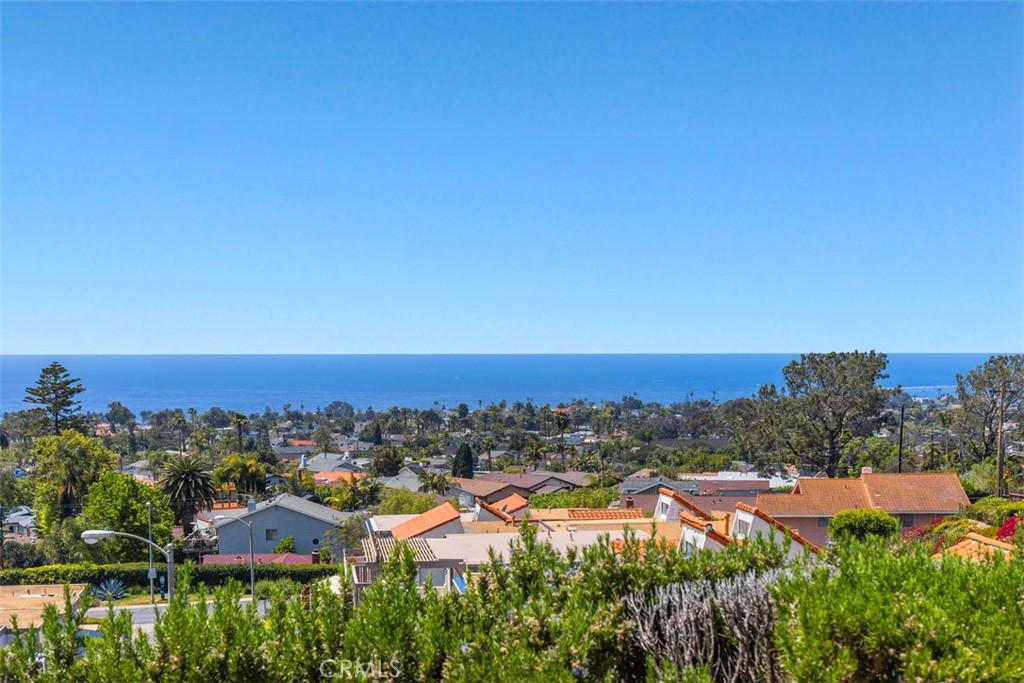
562,421
488,444
187,482
239,422
435,483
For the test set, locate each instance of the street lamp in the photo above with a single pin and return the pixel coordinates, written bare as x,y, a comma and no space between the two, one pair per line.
152,572
252,562
93,535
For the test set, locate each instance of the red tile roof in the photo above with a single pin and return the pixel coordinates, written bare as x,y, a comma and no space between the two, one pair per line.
706,527
431,519
496,511
513,503
585,513
335,477
976,548
926,492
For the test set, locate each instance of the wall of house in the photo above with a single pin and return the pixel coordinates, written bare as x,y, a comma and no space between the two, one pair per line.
814,529
692,540
234,536
452,527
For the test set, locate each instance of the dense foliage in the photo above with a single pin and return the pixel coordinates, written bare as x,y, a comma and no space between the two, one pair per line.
577,498
864,614
862,524
134,574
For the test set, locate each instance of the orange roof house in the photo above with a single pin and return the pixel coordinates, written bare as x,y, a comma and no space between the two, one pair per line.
336,477
937,493
512,504
916,499
434,523
976,548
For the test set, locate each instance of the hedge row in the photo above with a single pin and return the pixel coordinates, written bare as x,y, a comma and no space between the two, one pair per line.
136,573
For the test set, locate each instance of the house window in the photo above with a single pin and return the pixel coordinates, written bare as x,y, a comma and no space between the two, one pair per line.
742,528
271,534
823,522
906,520
663,510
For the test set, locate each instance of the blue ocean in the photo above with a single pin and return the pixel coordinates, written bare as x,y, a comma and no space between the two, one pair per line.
251,383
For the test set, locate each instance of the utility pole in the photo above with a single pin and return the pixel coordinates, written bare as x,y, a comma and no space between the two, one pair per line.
899,465
999,443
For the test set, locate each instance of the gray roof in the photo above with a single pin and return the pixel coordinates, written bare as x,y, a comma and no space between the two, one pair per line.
295,504
651,484
409,482
581,479
21,515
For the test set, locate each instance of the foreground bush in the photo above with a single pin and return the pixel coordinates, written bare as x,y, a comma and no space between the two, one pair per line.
626,613
135,574
862,524
882,617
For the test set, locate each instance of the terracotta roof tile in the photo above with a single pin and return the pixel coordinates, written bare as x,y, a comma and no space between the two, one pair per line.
513,503
335,477
431,519
928,492
976,548
922,492
706,527
496,511
584,513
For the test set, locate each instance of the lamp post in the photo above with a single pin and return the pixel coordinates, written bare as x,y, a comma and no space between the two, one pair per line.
152,572
93,535
252,562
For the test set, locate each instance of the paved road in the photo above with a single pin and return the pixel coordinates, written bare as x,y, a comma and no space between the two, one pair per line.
144,616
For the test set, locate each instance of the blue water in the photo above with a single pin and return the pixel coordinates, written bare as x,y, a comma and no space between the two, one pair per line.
251,383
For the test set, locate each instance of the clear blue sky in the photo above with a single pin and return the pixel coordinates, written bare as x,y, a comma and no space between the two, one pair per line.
395,178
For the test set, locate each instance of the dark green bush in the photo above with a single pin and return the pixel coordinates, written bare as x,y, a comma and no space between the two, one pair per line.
889,617
994,511
862,524
286,587
136,573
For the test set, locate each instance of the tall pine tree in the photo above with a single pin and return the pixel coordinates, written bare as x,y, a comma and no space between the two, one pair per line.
55,391
463,463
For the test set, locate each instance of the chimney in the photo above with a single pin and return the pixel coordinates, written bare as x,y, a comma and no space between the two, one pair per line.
865,470
250,505
316,557
629,502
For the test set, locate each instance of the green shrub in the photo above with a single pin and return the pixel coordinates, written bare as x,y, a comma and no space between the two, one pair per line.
285,545
577,498
994,511
137,573
861,524
286,588
888,617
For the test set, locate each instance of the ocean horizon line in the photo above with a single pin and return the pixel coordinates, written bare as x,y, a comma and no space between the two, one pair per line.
487,353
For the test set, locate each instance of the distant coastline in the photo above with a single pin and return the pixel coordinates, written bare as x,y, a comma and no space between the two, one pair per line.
250,383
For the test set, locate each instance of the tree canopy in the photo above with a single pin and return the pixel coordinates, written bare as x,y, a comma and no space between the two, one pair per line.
827,400
118,502
55,391
67,465
462,466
